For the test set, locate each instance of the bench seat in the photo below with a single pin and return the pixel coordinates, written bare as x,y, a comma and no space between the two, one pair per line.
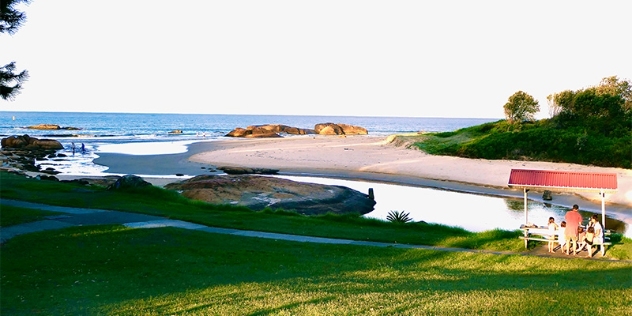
542,237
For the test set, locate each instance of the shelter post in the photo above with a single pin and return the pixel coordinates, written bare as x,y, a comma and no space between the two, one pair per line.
526,212
603,210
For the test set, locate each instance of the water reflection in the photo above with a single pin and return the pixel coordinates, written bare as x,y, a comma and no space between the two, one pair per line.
472,212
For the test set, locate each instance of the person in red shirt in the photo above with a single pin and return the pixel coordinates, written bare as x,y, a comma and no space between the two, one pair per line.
573,220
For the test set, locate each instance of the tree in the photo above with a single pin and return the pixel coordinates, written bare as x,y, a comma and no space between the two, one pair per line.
10,20
11,83
613,86
611,98
521,107
559,102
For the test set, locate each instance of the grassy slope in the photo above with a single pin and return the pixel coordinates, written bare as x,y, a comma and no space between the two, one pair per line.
169,204
544,140
118,271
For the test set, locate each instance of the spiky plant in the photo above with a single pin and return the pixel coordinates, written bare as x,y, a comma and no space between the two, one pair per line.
398,217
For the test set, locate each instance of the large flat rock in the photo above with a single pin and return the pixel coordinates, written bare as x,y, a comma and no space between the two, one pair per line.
259,192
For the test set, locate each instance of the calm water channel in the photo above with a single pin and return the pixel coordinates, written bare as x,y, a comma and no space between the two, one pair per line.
472,212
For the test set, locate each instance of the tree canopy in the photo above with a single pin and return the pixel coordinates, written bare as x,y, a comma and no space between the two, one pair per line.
10,20
521,107
612,98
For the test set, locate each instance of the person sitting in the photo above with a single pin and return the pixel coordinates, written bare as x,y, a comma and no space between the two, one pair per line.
589,239
598,229
581,236
594,222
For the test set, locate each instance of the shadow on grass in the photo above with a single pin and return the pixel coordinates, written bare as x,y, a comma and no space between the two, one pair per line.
111,268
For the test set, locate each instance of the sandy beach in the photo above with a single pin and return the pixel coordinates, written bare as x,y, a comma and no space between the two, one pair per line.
377,159
369,158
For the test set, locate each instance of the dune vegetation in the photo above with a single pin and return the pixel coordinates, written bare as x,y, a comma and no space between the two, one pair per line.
590,126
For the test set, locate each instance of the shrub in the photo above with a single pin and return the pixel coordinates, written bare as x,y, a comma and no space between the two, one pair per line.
398,217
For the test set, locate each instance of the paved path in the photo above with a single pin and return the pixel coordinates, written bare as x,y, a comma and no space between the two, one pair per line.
86,216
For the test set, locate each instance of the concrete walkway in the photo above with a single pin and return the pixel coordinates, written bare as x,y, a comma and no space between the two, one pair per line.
86,216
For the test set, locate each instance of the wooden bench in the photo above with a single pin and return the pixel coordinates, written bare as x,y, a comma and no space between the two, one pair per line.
544,234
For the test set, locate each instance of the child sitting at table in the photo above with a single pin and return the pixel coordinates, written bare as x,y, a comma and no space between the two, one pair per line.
581,235
560,235
589,239
552,228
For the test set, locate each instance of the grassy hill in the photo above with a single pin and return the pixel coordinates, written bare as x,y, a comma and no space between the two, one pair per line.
599,142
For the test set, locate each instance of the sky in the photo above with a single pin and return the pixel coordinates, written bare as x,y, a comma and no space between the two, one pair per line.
453,58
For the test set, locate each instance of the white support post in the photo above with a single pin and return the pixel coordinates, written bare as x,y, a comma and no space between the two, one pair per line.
603,221
603,210
526,212
526,219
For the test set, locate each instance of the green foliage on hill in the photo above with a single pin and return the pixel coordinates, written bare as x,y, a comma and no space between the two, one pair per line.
544,140
591,127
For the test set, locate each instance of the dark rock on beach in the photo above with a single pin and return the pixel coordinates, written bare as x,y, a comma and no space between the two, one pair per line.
25,141
259,192
129,182
22,152
245,170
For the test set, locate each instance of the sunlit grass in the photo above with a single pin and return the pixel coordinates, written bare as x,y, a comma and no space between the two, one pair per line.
119,271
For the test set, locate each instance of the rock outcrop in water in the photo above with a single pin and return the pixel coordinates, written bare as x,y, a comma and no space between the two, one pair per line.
274,130
22,152
339,129
268,130
259,192
52,127
27,142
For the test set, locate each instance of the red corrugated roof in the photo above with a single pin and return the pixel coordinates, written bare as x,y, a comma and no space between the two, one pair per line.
563,179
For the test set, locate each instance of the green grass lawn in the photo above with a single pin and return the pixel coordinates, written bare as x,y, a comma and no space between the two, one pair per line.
156,201
112,270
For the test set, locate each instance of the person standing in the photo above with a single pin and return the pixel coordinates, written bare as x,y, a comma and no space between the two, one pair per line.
573,220
552,228
561,235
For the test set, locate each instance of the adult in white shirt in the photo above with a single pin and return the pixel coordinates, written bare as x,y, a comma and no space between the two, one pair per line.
594,222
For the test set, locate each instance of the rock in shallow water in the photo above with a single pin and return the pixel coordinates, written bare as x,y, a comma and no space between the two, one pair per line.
259,192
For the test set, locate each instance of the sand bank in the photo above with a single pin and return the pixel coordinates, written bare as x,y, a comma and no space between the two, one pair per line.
376,159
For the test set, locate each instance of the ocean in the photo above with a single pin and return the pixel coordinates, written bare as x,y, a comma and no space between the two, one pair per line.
155,127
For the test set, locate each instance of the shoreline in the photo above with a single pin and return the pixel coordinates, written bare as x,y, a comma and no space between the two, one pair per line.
364,158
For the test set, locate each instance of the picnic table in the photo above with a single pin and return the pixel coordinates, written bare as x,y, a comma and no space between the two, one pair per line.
542,233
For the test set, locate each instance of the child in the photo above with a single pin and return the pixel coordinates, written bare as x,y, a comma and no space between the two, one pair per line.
552,228
590,237
581,235
560,235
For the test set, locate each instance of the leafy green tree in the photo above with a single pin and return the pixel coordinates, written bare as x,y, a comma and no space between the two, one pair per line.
560,101
611,98
10,20
615,87
521,107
